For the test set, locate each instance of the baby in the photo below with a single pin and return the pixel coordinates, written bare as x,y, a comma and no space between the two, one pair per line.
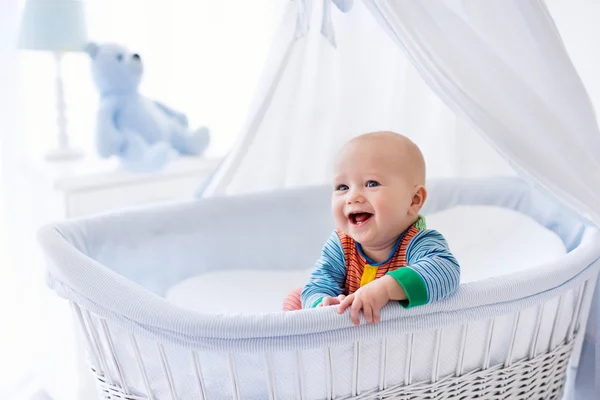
380,250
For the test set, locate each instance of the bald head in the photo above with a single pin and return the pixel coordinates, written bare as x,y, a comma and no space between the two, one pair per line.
390,149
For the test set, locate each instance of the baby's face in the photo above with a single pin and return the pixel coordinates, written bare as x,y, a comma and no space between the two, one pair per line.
372,195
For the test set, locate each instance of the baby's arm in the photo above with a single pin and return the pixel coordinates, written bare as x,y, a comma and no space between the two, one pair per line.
326,283
432,272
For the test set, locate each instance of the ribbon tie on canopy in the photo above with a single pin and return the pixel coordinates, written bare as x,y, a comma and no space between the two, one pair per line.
327,30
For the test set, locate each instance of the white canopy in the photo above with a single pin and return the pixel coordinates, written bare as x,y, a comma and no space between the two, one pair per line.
499,65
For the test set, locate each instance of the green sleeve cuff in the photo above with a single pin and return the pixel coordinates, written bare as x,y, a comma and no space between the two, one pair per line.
316,303
413,285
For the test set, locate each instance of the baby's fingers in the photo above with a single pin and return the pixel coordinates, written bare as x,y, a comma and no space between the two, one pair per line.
355,310
329,301
368,313
376,315
345,303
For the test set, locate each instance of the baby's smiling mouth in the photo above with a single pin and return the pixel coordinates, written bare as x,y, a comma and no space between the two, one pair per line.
359,218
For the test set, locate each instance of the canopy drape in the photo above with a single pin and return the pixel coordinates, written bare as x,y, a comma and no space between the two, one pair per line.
498,68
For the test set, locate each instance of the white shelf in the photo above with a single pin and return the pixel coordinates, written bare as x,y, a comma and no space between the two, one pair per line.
91,174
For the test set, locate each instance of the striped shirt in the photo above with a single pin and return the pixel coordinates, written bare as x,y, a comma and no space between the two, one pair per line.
420,261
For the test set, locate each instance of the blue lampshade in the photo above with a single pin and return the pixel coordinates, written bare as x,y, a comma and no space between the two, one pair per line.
54,25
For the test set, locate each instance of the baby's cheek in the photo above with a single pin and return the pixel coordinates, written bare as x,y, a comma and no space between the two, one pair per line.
338,214
383,206
340,220
392,212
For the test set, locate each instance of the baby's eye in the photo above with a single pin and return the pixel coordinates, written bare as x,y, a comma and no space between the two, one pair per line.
341,187
119,57
372,184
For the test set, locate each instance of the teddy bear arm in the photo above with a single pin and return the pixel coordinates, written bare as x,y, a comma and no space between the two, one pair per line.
180,117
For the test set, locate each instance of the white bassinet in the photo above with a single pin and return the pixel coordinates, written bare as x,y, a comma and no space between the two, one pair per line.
511,337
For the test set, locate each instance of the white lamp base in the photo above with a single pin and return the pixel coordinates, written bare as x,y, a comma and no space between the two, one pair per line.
64,154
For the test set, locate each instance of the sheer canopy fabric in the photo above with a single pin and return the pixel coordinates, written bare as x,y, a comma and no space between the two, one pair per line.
503,66
498,68
313,97
487,63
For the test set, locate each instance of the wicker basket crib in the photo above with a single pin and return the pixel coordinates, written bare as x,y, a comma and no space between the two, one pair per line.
510,337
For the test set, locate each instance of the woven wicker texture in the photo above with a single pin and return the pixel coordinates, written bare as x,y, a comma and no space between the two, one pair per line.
541,377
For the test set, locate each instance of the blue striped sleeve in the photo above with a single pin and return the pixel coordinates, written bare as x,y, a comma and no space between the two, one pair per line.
329,276
428,255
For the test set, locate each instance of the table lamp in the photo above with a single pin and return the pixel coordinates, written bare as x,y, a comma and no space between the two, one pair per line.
57,26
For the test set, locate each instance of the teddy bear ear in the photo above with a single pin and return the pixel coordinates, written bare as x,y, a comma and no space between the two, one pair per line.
91,49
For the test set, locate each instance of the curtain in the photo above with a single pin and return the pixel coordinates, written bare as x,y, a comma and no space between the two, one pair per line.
504,66
19,300
18,354
313,97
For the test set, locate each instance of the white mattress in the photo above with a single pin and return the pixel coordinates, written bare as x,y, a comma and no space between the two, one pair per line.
487,241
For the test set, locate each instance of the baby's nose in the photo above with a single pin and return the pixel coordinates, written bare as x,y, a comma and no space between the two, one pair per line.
354,196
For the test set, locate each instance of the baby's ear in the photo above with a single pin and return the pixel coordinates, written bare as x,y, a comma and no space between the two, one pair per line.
418,200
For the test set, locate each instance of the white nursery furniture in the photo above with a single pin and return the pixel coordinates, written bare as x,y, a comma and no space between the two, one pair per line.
50,191
88,187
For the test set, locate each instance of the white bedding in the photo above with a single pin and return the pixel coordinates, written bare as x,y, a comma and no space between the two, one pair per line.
487,241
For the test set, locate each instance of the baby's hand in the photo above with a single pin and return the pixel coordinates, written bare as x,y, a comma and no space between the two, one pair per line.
369,298
331,301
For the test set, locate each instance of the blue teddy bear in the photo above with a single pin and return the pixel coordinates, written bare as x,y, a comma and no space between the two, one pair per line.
143,133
